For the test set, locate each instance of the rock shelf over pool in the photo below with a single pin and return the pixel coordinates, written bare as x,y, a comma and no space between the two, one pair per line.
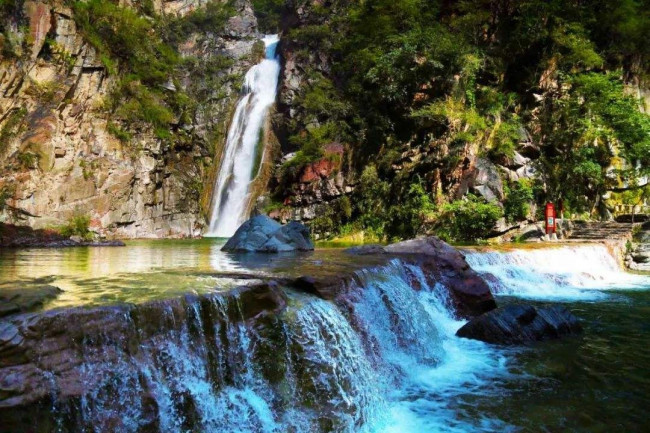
265,235
80,369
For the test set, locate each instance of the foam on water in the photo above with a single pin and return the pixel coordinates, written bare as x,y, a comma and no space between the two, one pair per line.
559,274
428,377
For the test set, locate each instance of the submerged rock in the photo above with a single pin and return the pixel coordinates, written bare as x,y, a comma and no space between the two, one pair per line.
366,250
521,324
263,234
23,299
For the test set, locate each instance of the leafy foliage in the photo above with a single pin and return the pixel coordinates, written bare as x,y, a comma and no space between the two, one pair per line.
78,225
517,203
469,219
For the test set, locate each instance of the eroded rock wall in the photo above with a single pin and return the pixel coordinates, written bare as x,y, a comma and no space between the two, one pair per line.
57,156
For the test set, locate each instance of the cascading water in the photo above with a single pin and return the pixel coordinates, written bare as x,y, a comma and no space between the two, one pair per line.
231,192
385,359
562,274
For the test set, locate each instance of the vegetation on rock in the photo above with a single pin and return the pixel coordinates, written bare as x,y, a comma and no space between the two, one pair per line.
450,81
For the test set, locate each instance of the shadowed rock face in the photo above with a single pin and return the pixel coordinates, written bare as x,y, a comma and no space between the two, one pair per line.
521,324
262,234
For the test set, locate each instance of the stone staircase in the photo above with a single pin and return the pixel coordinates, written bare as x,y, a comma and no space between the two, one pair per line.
595,231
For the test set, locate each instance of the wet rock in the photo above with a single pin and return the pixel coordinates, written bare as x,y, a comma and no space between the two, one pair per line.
62,355
365,250
263,234
521,324
326,288
444,264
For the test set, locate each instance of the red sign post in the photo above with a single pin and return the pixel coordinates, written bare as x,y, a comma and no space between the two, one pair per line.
550,218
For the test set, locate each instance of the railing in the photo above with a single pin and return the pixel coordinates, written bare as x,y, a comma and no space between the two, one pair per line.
631,209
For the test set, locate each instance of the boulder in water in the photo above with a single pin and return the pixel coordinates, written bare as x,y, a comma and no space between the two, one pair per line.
265,235
444,264
521,324
366,250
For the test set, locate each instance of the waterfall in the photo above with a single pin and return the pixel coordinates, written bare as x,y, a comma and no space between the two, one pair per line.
561,274
231,191
383,358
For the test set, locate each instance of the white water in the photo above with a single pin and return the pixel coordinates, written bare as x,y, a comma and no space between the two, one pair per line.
231,193
568,273
386,360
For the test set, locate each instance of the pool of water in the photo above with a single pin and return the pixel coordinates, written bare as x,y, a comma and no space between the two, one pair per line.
599,382
157,269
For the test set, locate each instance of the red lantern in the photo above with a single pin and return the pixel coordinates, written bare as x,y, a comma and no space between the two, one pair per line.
550,218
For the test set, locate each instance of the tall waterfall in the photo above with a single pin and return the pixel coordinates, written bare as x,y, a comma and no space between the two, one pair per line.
231,192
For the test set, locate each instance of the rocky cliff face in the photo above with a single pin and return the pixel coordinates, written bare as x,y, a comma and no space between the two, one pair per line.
58,157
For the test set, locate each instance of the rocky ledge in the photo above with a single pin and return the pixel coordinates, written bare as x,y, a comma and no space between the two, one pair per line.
521,324
443,264
12,236
50,361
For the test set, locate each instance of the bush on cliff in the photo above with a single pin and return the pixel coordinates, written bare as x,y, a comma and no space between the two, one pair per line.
469,219
78,225
517,203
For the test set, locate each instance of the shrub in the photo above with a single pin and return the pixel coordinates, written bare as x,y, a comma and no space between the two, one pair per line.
28,159
268,13
407,218
469,219
517,202
119,133
77,226
12,127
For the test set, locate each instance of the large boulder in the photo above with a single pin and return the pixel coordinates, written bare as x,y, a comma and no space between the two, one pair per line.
521,324
444,264
265,235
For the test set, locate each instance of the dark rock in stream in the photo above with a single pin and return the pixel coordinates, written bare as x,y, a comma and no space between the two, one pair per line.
521,324
265,235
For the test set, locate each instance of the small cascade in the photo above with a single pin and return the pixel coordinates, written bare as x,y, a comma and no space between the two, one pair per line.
231,191
382,358
564,273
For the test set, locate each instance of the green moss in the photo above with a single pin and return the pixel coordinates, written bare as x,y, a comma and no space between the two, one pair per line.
12,127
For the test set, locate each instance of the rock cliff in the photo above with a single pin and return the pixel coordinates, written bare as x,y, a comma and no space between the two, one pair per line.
62,155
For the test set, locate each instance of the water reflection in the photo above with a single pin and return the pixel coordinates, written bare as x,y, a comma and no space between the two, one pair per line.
145,270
